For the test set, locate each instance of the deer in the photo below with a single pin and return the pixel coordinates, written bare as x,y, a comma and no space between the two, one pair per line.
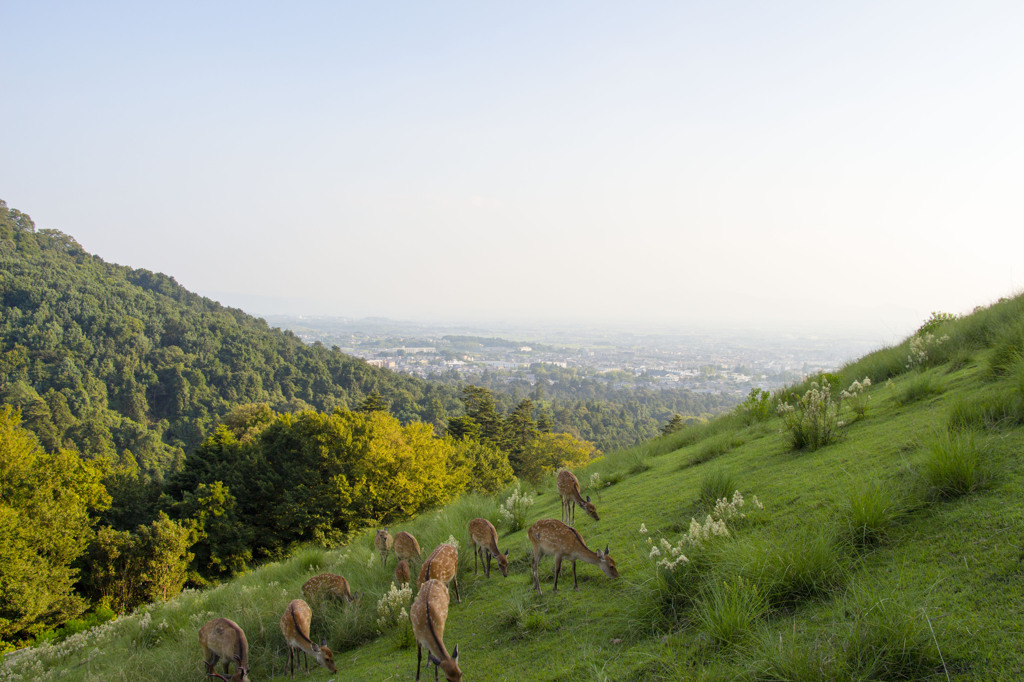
485,545
569,490
222,638
402,574
328,585
555,538
383,541
443,565
406,546
295,628
428,615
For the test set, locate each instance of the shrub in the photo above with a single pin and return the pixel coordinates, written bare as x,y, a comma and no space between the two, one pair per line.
953,465
757,407
933,323
813,422
515,508
922,350
728,610
856,396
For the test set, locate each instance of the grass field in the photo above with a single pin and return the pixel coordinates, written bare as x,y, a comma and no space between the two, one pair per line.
896,551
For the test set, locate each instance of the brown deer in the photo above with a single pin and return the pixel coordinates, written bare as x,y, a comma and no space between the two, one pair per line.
222,638
402,574
569,490
443,565
327,585
383,541
485,545
406,546
428,615
564,542
295,628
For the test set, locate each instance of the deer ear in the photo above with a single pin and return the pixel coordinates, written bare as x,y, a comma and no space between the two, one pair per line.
588,498
323,642
455,653
606,549
506,552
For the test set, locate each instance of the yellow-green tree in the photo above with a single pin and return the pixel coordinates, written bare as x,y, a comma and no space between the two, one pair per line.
45,525
549,452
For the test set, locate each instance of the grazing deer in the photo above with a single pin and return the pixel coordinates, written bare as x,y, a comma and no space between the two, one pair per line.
569,490
564,542
428,615
295,628
443,565
222,638
402,574
327,585
406,546
383,541
485,545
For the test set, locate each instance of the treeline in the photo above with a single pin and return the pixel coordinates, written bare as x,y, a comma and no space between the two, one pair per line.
610,413
115,361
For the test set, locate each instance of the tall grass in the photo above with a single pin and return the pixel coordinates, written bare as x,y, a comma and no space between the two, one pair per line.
868,514
728,610
918,387
953,464
716,484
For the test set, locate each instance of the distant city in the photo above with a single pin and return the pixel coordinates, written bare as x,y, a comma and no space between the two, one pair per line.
726,363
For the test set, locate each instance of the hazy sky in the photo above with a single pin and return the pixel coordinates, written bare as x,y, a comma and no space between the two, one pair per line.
795,164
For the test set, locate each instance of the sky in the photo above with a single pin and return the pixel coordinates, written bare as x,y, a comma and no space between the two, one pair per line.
784,165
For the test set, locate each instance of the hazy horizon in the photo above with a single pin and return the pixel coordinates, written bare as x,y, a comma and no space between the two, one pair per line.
793,165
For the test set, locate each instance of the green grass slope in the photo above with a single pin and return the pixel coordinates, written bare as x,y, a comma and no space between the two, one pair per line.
895,552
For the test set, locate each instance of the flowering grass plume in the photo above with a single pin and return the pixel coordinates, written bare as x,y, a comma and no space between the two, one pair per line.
920,345
813,422
513,511
856,396
391,608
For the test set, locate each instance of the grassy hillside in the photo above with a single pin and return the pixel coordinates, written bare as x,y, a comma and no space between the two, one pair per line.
894,552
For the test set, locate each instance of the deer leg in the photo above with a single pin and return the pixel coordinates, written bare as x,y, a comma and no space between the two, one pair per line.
419,657
558,568
455,579
291,668
575,585
476,555
488,571
535,566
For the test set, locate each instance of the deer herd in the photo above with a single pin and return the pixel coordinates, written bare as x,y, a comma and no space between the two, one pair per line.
221,638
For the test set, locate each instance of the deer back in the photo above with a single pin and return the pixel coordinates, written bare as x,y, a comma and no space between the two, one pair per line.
442,564
406,546
327,584
402,573
223,637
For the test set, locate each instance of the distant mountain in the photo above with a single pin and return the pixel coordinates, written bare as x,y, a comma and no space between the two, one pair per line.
125,362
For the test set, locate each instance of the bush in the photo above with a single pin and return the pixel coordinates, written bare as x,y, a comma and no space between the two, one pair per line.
813,422
757,407
514,509
953,465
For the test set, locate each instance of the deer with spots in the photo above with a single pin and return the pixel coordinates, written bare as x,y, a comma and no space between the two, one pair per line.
295,628
222,638
328,585
428,615
485,545
383,541
443,565
406,546
569,490
554,538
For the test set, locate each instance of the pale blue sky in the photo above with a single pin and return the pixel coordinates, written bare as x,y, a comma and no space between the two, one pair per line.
784,164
